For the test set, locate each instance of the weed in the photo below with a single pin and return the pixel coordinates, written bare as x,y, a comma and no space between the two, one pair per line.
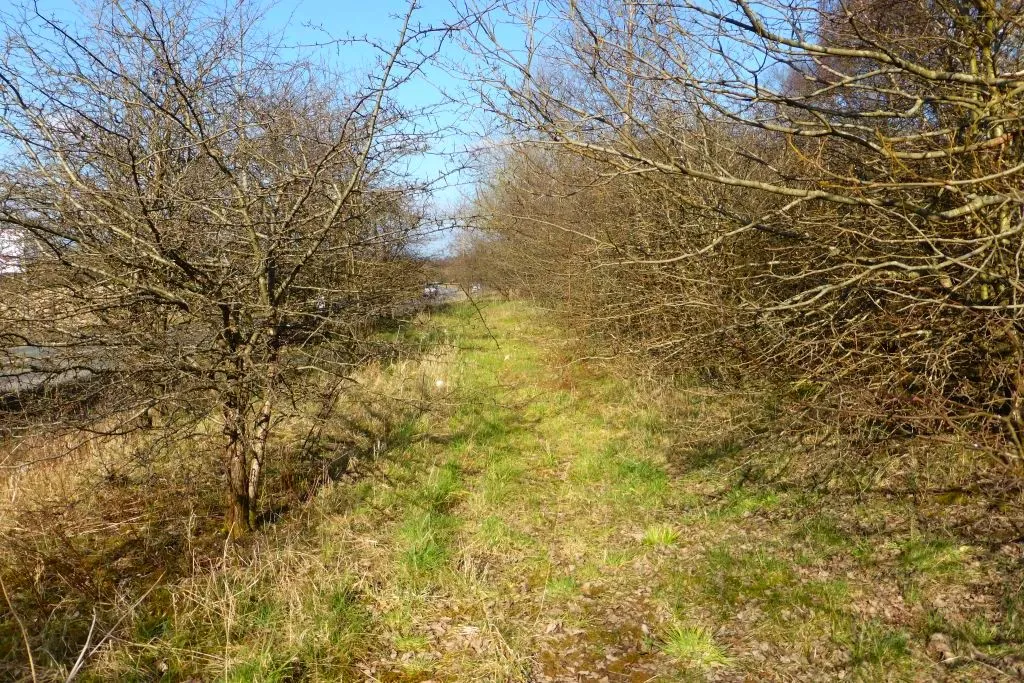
930,557
660,535
875,647
692,646
561,586
616,558
741,502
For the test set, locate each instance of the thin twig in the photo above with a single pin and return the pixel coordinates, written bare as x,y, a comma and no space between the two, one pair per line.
481,314
24,633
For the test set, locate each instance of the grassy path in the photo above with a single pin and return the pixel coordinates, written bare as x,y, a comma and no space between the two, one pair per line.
543,523
557,536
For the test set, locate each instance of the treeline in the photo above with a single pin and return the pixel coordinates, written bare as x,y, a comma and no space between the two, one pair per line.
825,199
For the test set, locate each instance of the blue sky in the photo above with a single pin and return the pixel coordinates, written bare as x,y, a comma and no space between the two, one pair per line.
306,22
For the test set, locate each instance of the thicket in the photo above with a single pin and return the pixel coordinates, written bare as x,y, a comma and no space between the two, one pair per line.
823,198
211,228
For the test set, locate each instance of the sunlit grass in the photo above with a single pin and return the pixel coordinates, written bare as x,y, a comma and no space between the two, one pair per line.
514,535
660,535
692,646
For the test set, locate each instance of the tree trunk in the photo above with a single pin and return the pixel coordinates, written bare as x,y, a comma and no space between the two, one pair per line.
261,434
237,520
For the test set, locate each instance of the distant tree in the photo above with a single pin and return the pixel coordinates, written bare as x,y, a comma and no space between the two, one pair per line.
11,252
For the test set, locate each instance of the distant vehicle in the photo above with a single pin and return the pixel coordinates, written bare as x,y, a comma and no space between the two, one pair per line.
431,290
474,289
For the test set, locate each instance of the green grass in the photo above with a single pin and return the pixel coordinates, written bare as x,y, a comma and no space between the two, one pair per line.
930,557
733,578
499,541
593,467
428,529
426,537
265,666
743,502
692,646
660,535
501,481
642,482
561,587
438,493
877,648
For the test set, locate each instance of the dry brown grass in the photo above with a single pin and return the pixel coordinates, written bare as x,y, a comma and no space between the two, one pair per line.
531,518
91,524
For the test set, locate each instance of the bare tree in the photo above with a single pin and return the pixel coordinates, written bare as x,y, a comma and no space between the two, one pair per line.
844,178
200,208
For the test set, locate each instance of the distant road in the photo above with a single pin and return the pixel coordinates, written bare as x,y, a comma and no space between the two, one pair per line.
25,370
447,294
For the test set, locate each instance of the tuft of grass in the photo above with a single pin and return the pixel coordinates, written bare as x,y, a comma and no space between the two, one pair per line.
731,580
591,467
616,558
561,586
875,647
412,643
496,534
660,535
737,578
438,493
742,502
644,483
427,536
692,646
266,666
500,481
980,631
930,557
1013,616
429,528
823,532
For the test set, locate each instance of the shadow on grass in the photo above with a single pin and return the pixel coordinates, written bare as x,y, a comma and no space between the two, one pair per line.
705,454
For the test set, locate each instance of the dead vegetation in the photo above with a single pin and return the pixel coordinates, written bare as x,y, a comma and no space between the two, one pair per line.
822,199
507,513
96,534
783,441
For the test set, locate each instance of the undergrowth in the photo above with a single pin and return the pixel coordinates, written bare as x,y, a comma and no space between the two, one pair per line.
540,519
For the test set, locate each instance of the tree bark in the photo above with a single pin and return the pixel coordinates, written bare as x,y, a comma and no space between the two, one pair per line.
237,522
261,434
